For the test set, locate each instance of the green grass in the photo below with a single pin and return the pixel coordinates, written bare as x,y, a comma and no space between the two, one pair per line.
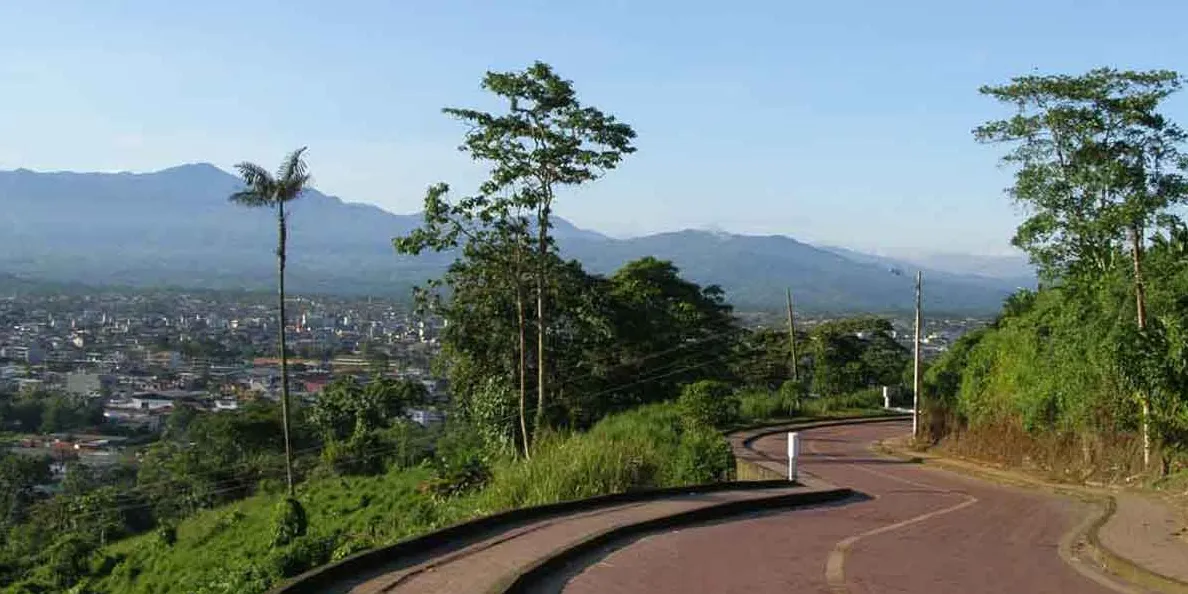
758,407
229,549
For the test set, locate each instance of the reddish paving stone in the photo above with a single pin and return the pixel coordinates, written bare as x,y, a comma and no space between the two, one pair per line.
1006,541
479,566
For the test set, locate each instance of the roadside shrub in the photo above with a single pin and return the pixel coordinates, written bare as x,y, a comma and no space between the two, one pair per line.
358,456
758,405
239,577
103,563
708,403
785,403
350,546
66,561
270,486
407,444
455,477
792,395
623,452
703,456
167,533
288,522
871,398
460,466
229,519
304,553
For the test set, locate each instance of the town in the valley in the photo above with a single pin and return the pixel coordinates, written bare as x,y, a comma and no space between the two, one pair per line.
129,359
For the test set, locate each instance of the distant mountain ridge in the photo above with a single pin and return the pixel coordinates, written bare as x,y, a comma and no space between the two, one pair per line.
1015,268
176,226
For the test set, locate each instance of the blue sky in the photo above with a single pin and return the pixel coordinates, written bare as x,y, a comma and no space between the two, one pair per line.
838,122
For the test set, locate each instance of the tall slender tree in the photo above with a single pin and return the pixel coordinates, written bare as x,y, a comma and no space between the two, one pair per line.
264,190
545,141
1099,169
492,231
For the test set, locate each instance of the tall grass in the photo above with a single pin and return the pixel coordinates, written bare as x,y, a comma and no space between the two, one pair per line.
758,406
230,549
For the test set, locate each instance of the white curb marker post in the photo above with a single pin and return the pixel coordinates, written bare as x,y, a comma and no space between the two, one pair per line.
886,397
793,454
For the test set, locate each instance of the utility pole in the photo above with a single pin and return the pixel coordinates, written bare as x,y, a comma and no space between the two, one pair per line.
916,375
792,336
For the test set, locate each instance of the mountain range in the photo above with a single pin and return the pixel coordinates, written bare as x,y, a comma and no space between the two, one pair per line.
176,227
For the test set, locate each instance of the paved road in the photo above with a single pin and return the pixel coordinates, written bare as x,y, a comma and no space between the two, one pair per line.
921,530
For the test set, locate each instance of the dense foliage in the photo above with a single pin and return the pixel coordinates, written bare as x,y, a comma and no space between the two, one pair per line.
48,412
249,545
1088,374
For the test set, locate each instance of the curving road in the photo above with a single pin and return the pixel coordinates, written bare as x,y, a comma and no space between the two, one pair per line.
918,530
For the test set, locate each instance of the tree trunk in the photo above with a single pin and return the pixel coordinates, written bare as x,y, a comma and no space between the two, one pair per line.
284,355
542,221
917,379
792,336
522,323
1140,302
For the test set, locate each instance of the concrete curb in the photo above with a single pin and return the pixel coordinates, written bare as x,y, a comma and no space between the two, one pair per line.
465,533
412,551
528,579
1085,534
747,457
1123,567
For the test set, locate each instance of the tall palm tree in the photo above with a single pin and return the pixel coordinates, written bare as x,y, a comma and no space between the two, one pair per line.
263,190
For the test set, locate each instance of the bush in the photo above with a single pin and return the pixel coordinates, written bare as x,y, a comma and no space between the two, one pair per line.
758,406
350,546
288,522
239,577
66,561
103,563
623,452
785,403
271,486
708,404
871,398
456,477
703,456
460,466
361,455
792,394
408,444
167,533
303,554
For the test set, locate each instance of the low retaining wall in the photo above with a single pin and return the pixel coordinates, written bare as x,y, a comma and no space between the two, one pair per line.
391,558
751,470
754,470
528,579
752,465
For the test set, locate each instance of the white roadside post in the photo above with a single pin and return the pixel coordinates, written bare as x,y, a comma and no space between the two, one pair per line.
793,454
886,397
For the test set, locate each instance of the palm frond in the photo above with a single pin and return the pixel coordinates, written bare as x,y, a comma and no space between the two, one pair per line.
253,175
259,186
290,188
293,165
251,198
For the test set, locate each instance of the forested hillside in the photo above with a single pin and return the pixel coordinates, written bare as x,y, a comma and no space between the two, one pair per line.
1088,376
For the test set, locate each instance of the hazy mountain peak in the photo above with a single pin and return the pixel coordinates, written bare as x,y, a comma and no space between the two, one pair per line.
176,226
202,168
